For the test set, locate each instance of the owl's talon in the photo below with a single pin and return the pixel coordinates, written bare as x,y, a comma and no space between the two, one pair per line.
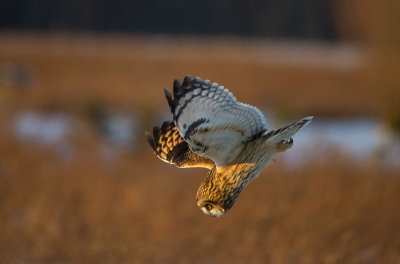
285,144
287,141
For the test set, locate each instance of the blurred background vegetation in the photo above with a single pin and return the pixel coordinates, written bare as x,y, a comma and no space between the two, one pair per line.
80,82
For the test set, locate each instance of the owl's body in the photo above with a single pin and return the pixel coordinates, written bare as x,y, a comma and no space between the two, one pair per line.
212,130
224,184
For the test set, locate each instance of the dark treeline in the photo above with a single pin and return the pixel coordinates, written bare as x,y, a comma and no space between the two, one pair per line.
265,18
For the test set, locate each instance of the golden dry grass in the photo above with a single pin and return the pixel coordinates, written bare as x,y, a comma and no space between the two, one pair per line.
139,210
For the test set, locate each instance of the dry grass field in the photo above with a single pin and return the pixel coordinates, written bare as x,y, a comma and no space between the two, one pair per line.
139,210
136,209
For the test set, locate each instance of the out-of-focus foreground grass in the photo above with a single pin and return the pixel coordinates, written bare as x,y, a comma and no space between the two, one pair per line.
139,210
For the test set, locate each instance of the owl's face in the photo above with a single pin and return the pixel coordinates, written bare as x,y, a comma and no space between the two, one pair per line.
211,209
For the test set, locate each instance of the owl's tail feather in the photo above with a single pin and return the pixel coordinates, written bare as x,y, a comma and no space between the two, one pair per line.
285,133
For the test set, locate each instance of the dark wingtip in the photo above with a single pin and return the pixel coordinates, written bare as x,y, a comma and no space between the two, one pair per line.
165,125
178,90
187,83
156,132
168,95
151,140
197,80
187,79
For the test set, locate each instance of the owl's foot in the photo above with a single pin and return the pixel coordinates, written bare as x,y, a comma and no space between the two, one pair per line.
285,144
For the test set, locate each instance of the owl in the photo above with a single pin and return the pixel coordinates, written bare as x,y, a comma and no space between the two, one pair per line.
210,129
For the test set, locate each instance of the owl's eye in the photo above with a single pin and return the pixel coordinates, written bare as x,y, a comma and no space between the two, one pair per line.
208,207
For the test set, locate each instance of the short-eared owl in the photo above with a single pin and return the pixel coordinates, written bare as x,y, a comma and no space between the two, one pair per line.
210,129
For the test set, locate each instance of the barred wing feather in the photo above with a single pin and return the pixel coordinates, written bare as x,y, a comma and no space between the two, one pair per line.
211,121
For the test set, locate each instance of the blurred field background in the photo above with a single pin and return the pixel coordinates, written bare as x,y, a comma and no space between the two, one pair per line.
78,184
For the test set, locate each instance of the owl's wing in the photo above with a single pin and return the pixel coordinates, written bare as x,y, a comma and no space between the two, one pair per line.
168,144
212,122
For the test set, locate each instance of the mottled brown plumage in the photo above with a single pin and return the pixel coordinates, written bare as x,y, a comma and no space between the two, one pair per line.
212,130
171,147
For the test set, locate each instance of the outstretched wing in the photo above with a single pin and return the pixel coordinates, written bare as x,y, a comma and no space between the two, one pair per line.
168,144
212,122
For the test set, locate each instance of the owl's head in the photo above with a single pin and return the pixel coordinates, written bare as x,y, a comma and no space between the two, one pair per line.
211,209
